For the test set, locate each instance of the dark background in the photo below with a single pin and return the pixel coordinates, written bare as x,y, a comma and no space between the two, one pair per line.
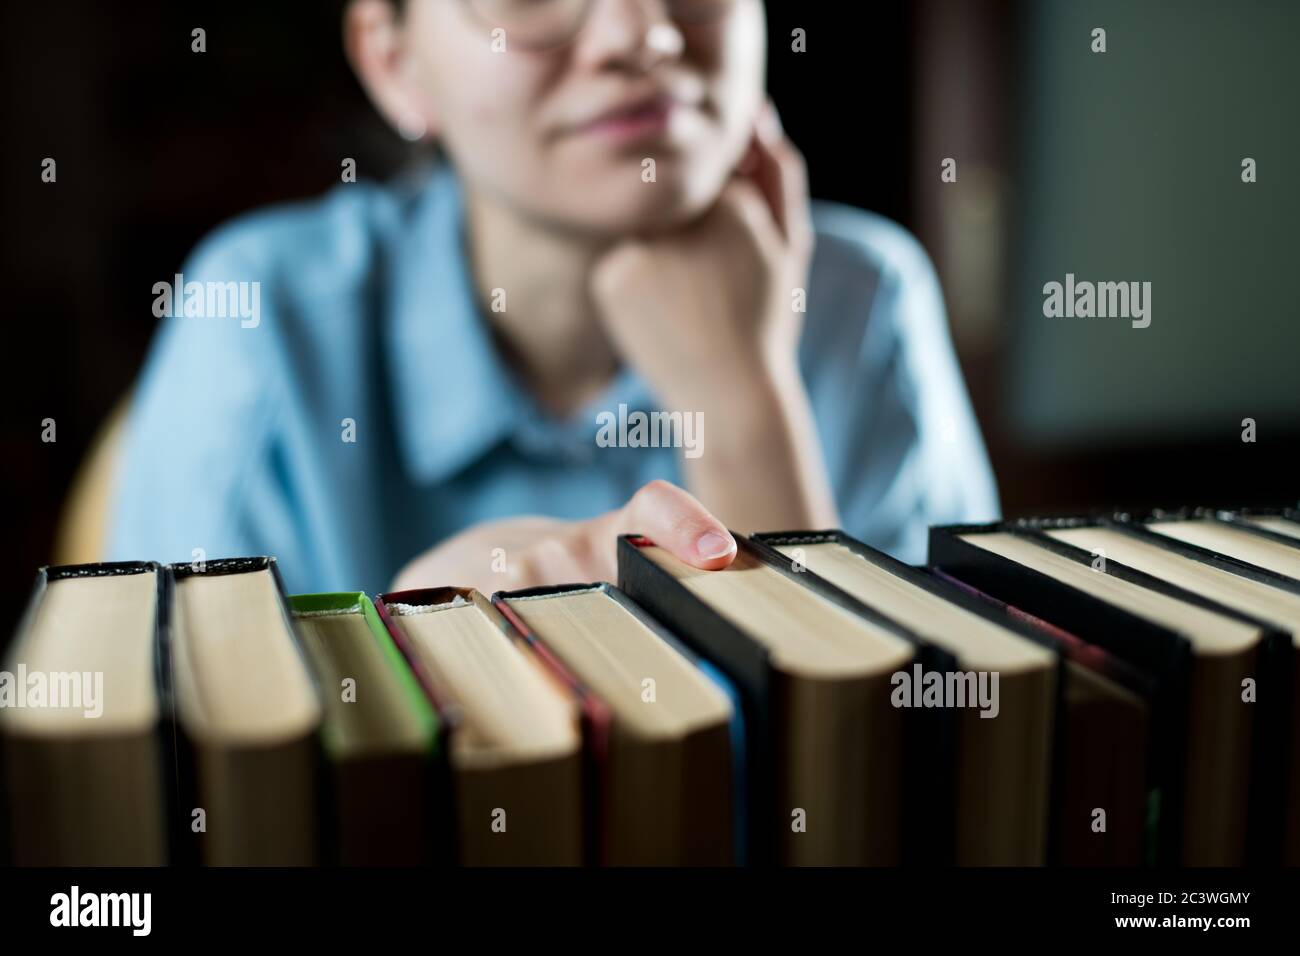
155,145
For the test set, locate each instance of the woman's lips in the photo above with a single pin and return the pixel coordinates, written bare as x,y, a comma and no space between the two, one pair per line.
640,121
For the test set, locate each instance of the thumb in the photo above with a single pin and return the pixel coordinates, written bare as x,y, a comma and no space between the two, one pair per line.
673,519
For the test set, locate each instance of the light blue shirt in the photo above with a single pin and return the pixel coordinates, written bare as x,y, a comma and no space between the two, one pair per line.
367,328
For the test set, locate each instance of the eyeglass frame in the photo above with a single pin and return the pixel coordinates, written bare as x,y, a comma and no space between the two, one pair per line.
719,9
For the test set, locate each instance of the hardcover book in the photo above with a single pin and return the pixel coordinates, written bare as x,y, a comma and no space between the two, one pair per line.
1282,521
1096,756
379,735
85,720
1107,690
1199,653
248,717
512,729
1276,795
830,774
1265,546
668,791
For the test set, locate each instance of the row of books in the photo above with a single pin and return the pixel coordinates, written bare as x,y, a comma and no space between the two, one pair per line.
1103,690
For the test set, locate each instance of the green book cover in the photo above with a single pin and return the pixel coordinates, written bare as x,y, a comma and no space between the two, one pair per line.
413,697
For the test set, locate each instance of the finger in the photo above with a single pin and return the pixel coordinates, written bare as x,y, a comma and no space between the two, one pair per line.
470,557
749,162
673,519
750,206
782,176
558,558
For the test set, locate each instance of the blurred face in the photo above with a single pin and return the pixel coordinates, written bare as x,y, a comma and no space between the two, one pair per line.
553,107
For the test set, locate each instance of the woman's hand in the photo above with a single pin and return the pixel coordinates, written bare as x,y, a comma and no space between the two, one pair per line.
531,551
710,308
710,316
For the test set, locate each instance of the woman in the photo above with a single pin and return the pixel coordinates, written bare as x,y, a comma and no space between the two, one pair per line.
620,225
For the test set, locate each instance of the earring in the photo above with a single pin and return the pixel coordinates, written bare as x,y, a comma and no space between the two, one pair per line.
413,130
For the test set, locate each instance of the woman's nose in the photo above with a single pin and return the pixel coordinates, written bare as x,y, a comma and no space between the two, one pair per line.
636,33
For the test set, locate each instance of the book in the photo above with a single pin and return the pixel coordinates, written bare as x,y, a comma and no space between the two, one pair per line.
1103,750
1200,651
1284,521
248,715
1104,690
1252,591
825,757
668,792
379,735
1242,540
83,720
1099,737
512,729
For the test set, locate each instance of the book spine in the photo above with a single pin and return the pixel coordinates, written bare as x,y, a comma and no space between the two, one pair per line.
930,735
443,836
1274,750
311,801
180,846
739,657
596,721
737,724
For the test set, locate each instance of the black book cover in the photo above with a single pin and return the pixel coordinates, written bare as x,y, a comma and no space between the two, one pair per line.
1276,680
1236,518
953,594
1241,516
1160,651
929,739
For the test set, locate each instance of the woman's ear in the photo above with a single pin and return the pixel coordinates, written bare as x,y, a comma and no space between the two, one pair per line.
375,41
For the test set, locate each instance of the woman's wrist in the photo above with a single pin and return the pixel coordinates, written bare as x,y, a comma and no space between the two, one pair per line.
756,417
741,385
761,457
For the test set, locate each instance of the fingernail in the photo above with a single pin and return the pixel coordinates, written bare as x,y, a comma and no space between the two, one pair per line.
711,545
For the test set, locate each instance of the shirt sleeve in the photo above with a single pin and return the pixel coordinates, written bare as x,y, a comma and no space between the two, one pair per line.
904,446
190,478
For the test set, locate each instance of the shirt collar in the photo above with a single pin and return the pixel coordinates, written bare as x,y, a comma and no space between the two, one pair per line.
455,398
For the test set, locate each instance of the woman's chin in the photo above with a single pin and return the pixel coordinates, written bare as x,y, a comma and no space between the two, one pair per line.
640,209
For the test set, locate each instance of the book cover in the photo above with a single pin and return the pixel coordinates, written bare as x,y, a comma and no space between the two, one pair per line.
1276,763
927,792
1162,652
244,800
382,800
129,819
592,714
736,735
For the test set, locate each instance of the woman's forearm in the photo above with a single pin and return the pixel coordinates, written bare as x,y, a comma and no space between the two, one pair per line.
761,466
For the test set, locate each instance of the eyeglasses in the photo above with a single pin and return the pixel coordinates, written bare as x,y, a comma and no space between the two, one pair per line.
545,24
